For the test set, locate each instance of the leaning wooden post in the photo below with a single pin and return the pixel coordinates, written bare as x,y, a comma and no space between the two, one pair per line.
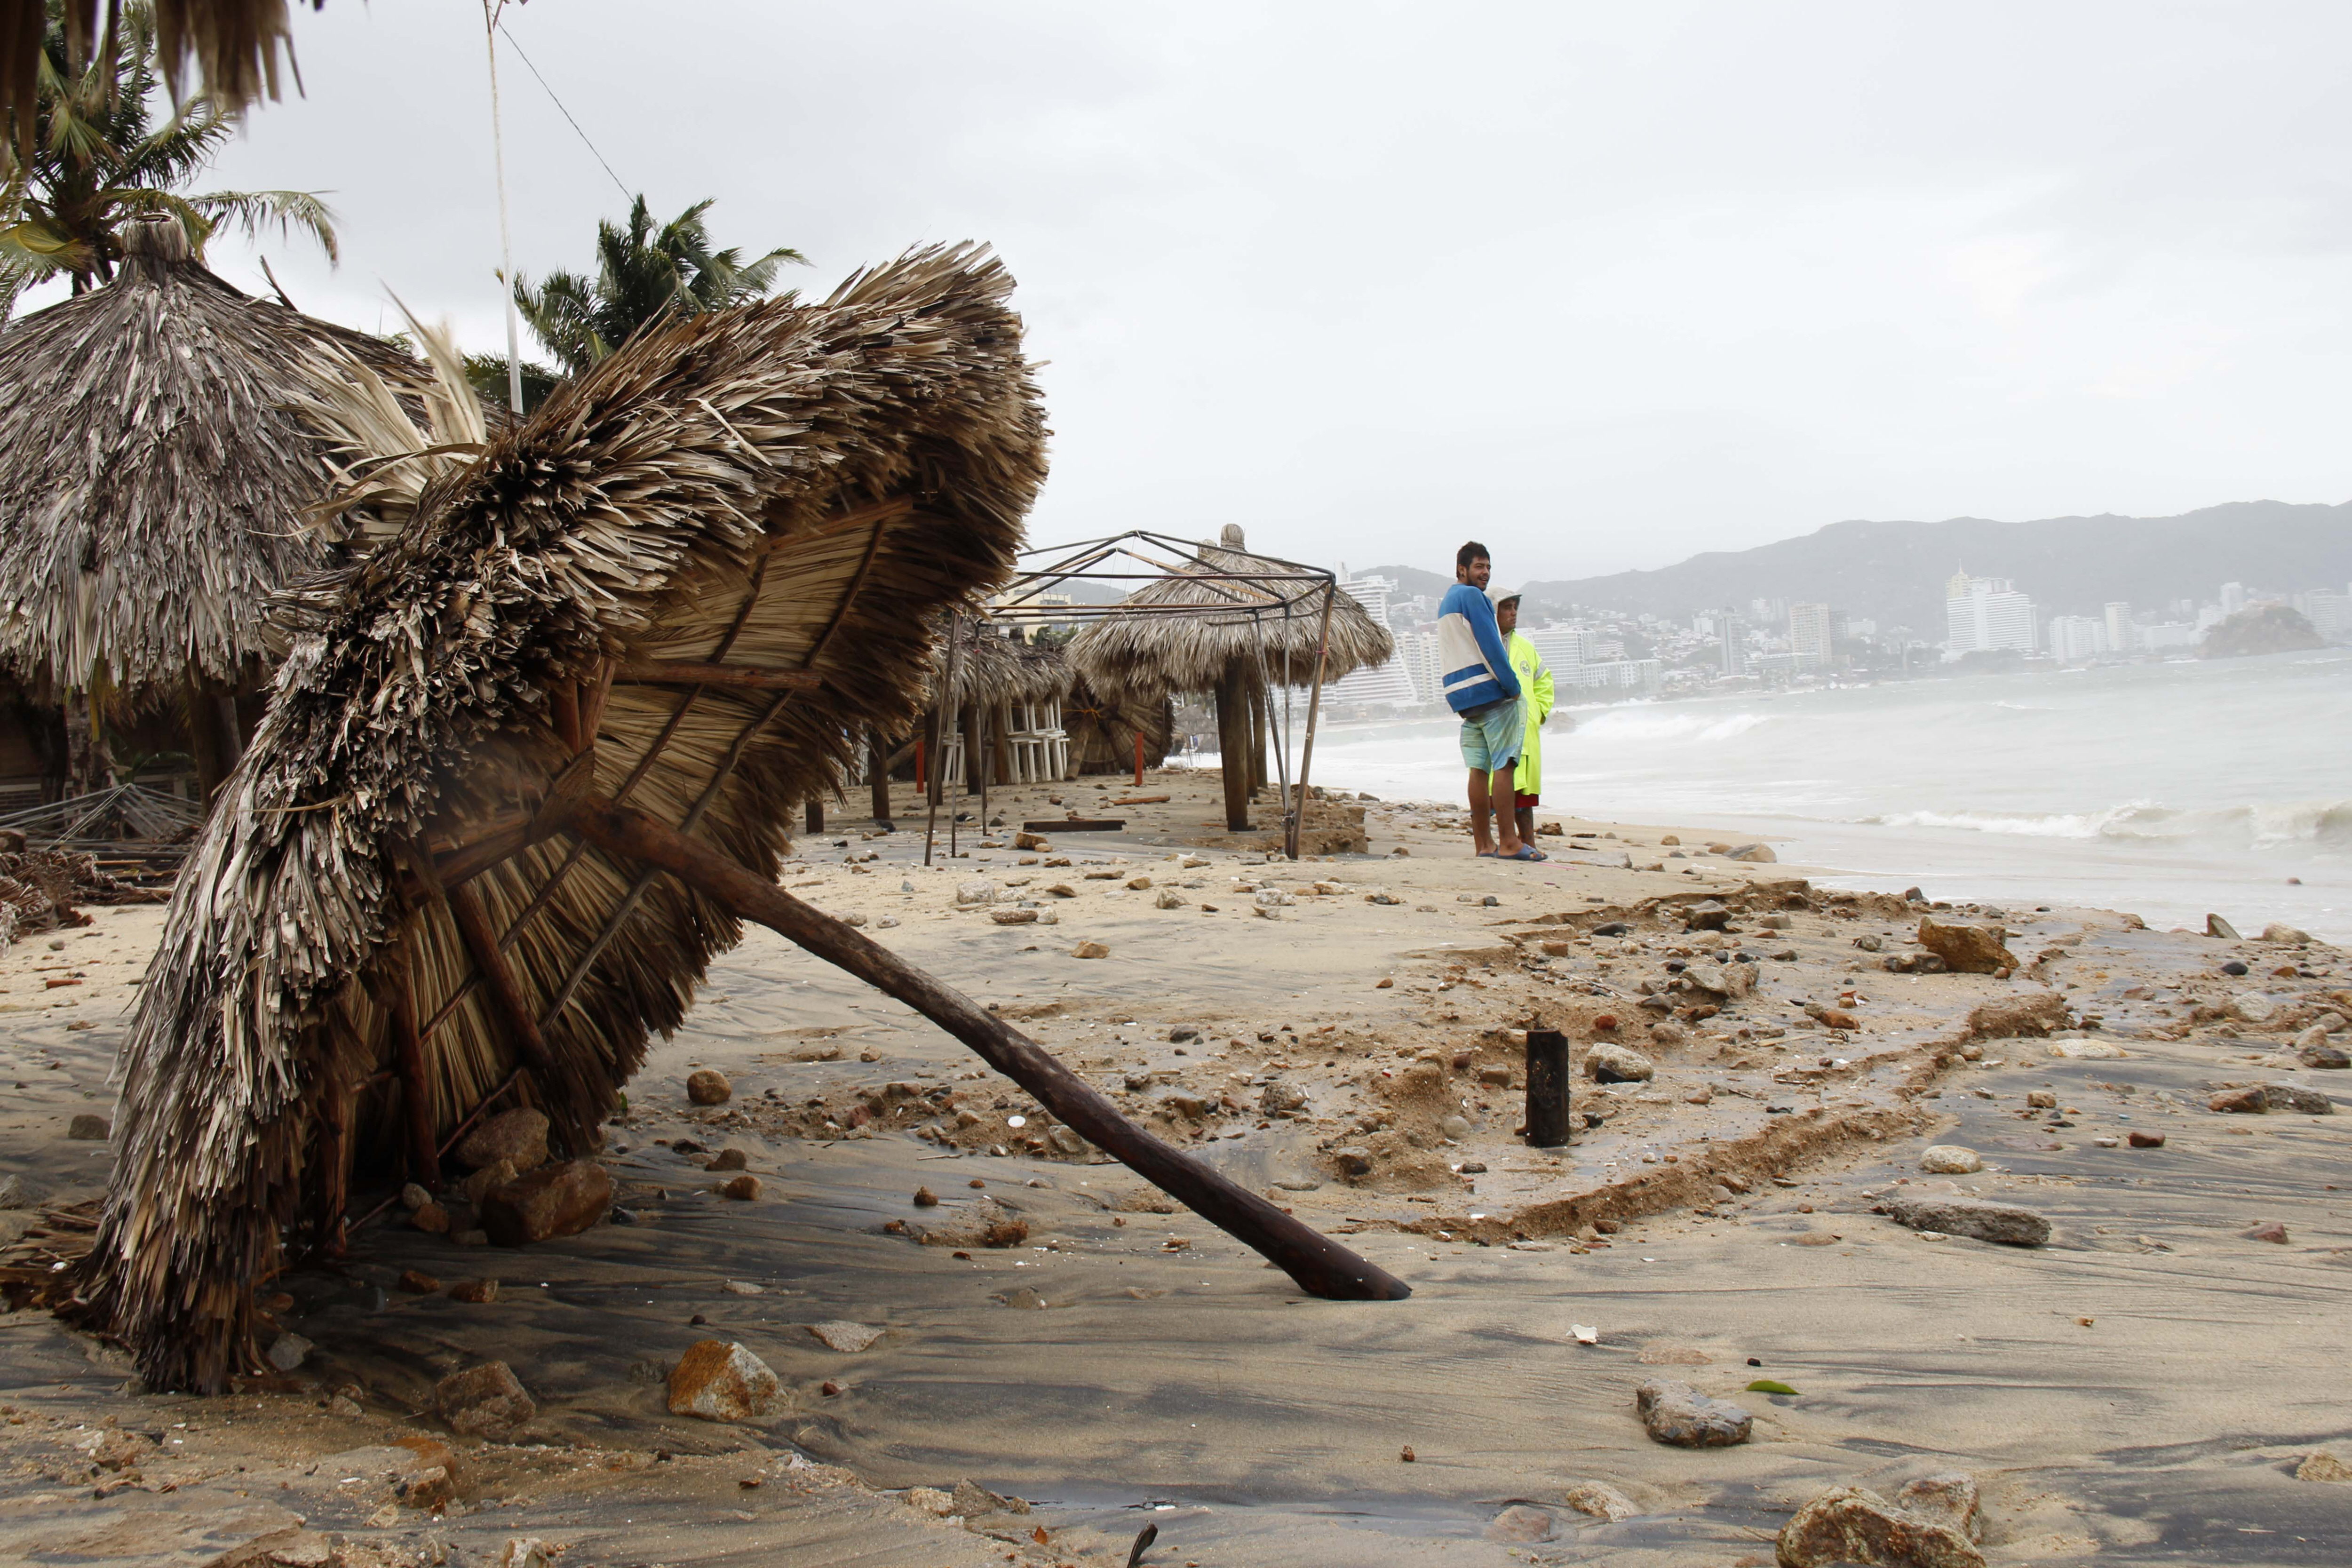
878,768
1320,1265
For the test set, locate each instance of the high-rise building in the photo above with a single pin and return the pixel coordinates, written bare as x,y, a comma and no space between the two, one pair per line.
1417,651
2120,626
1563,647
1733,632
1809,635
2330,615
2076,638
1387,681
2233,597
1991,614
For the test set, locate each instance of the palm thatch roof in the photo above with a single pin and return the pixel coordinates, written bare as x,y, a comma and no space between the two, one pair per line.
685,583
987,669
234,45
155,474
1184,631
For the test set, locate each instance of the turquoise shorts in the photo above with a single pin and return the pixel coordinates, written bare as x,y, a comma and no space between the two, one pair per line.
1492,740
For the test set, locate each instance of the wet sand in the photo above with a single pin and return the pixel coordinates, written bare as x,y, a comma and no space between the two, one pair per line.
1125,1366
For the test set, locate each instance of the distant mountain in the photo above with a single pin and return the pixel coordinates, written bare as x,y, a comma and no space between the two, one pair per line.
1893,573
1412,580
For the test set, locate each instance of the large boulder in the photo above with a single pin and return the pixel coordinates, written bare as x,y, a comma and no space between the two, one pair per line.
1968,948
518,1136
553,1201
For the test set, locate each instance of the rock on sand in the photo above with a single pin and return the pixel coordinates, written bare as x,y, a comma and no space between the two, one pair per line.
1966,948
1618,1063
1679,1415
722,1381
485,1401
553,1201
1950,1160
2003,1223
1851,1524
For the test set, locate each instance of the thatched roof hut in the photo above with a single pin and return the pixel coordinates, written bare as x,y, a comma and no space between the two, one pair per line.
154,477
682,585
1234,625
1188,629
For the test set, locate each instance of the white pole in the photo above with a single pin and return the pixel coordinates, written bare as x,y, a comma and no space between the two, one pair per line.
490,9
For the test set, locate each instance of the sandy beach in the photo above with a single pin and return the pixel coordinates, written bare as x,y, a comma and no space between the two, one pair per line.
1346,1033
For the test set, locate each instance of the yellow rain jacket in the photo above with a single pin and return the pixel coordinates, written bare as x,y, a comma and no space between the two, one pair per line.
1535,689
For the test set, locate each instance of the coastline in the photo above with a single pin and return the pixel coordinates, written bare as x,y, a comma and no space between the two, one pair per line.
1125,1353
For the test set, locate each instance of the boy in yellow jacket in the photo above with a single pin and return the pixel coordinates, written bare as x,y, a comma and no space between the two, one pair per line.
1536,697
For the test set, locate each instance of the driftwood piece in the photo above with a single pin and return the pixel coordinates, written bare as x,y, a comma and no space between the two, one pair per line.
1076,825
1320,1265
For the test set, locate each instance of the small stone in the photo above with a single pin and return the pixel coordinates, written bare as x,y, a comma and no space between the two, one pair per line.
848,1338
2319,1054
742,1188
1601,1500
2286,935
553,1201
722,1381
1090,950
931,1501
2007,1018
978,891
2145,1139
2247,1101
926,1199
432,1218
2215,926
2001,1223
2253,1007
519,1137
2270,1230
1618,1063
287,1351
1666,1031
708,1086
1023,1298
2042,1100
729,1160
1281,1095
1520,1522
418,1284
1170,899
1950,1160
523,1551
89,1128
1014,917
2321,1466
485,1401
1758,853
1852,1525
474,1293
1676,1413
1966,948
413,1197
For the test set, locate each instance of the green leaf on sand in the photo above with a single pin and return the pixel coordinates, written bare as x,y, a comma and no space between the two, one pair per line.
1766,1386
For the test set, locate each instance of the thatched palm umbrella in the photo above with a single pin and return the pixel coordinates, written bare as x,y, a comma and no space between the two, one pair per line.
153,483
1209,627
532,764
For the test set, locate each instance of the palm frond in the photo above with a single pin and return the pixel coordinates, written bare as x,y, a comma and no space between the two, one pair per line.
254,211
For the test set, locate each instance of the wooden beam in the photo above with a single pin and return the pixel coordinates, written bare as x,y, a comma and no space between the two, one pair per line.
507,1003
880,511
1320,1265
688,672
416,1085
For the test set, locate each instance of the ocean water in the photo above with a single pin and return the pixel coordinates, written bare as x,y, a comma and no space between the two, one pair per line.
2167,790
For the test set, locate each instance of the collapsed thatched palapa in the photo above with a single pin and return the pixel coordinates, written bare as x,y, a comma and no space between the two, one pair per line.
1186,631
681,585
154,479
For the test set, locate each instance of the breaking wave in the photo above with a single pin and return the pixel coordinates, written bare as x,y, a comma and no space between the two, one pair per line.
2324,823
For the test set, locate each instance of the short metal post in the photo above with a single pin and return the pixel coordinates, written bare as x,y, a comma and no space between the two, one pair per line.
1548,1092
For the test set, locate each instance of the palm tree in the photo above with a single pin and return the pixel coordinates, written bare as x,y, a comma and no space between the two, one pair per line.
98,159
642,275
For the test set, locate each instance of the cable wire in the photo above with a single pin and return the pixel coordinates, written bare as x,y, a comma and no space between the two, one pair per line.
625,194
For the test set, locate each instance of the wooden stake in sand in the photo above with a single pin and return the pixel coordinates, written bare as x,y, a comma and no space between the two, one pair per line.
1320,1265
1548,1088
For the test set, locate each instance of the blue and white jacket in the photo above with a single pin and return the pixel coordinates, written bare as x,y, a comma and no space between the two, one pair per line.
1470,651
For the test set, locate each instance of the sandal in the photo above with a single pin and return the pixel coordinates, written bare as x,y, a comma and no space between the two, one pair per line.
1527,852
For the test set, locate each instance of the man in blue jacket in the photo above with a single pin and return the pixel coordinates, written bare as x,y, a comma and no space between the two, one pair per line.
1481,686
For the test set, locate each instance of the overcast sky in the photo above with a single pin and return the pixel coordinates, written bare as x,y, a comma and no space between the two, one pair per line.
1601,285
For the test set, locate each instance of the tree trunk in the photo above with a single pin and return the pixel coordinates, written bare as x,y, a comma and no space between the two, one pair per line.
1320,1265
878,770
1232,746
1257,706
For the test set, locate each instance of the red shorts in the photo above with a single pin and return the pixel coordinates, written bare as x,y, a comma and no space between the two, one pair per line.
1525,802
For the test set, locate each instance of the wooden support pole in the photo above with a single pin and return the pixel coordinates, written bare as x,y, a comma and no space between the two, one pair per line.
416,1085
1320,1265
813,813
334,1165
879,776
1232,746
1257,721
564,713
1547,1090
